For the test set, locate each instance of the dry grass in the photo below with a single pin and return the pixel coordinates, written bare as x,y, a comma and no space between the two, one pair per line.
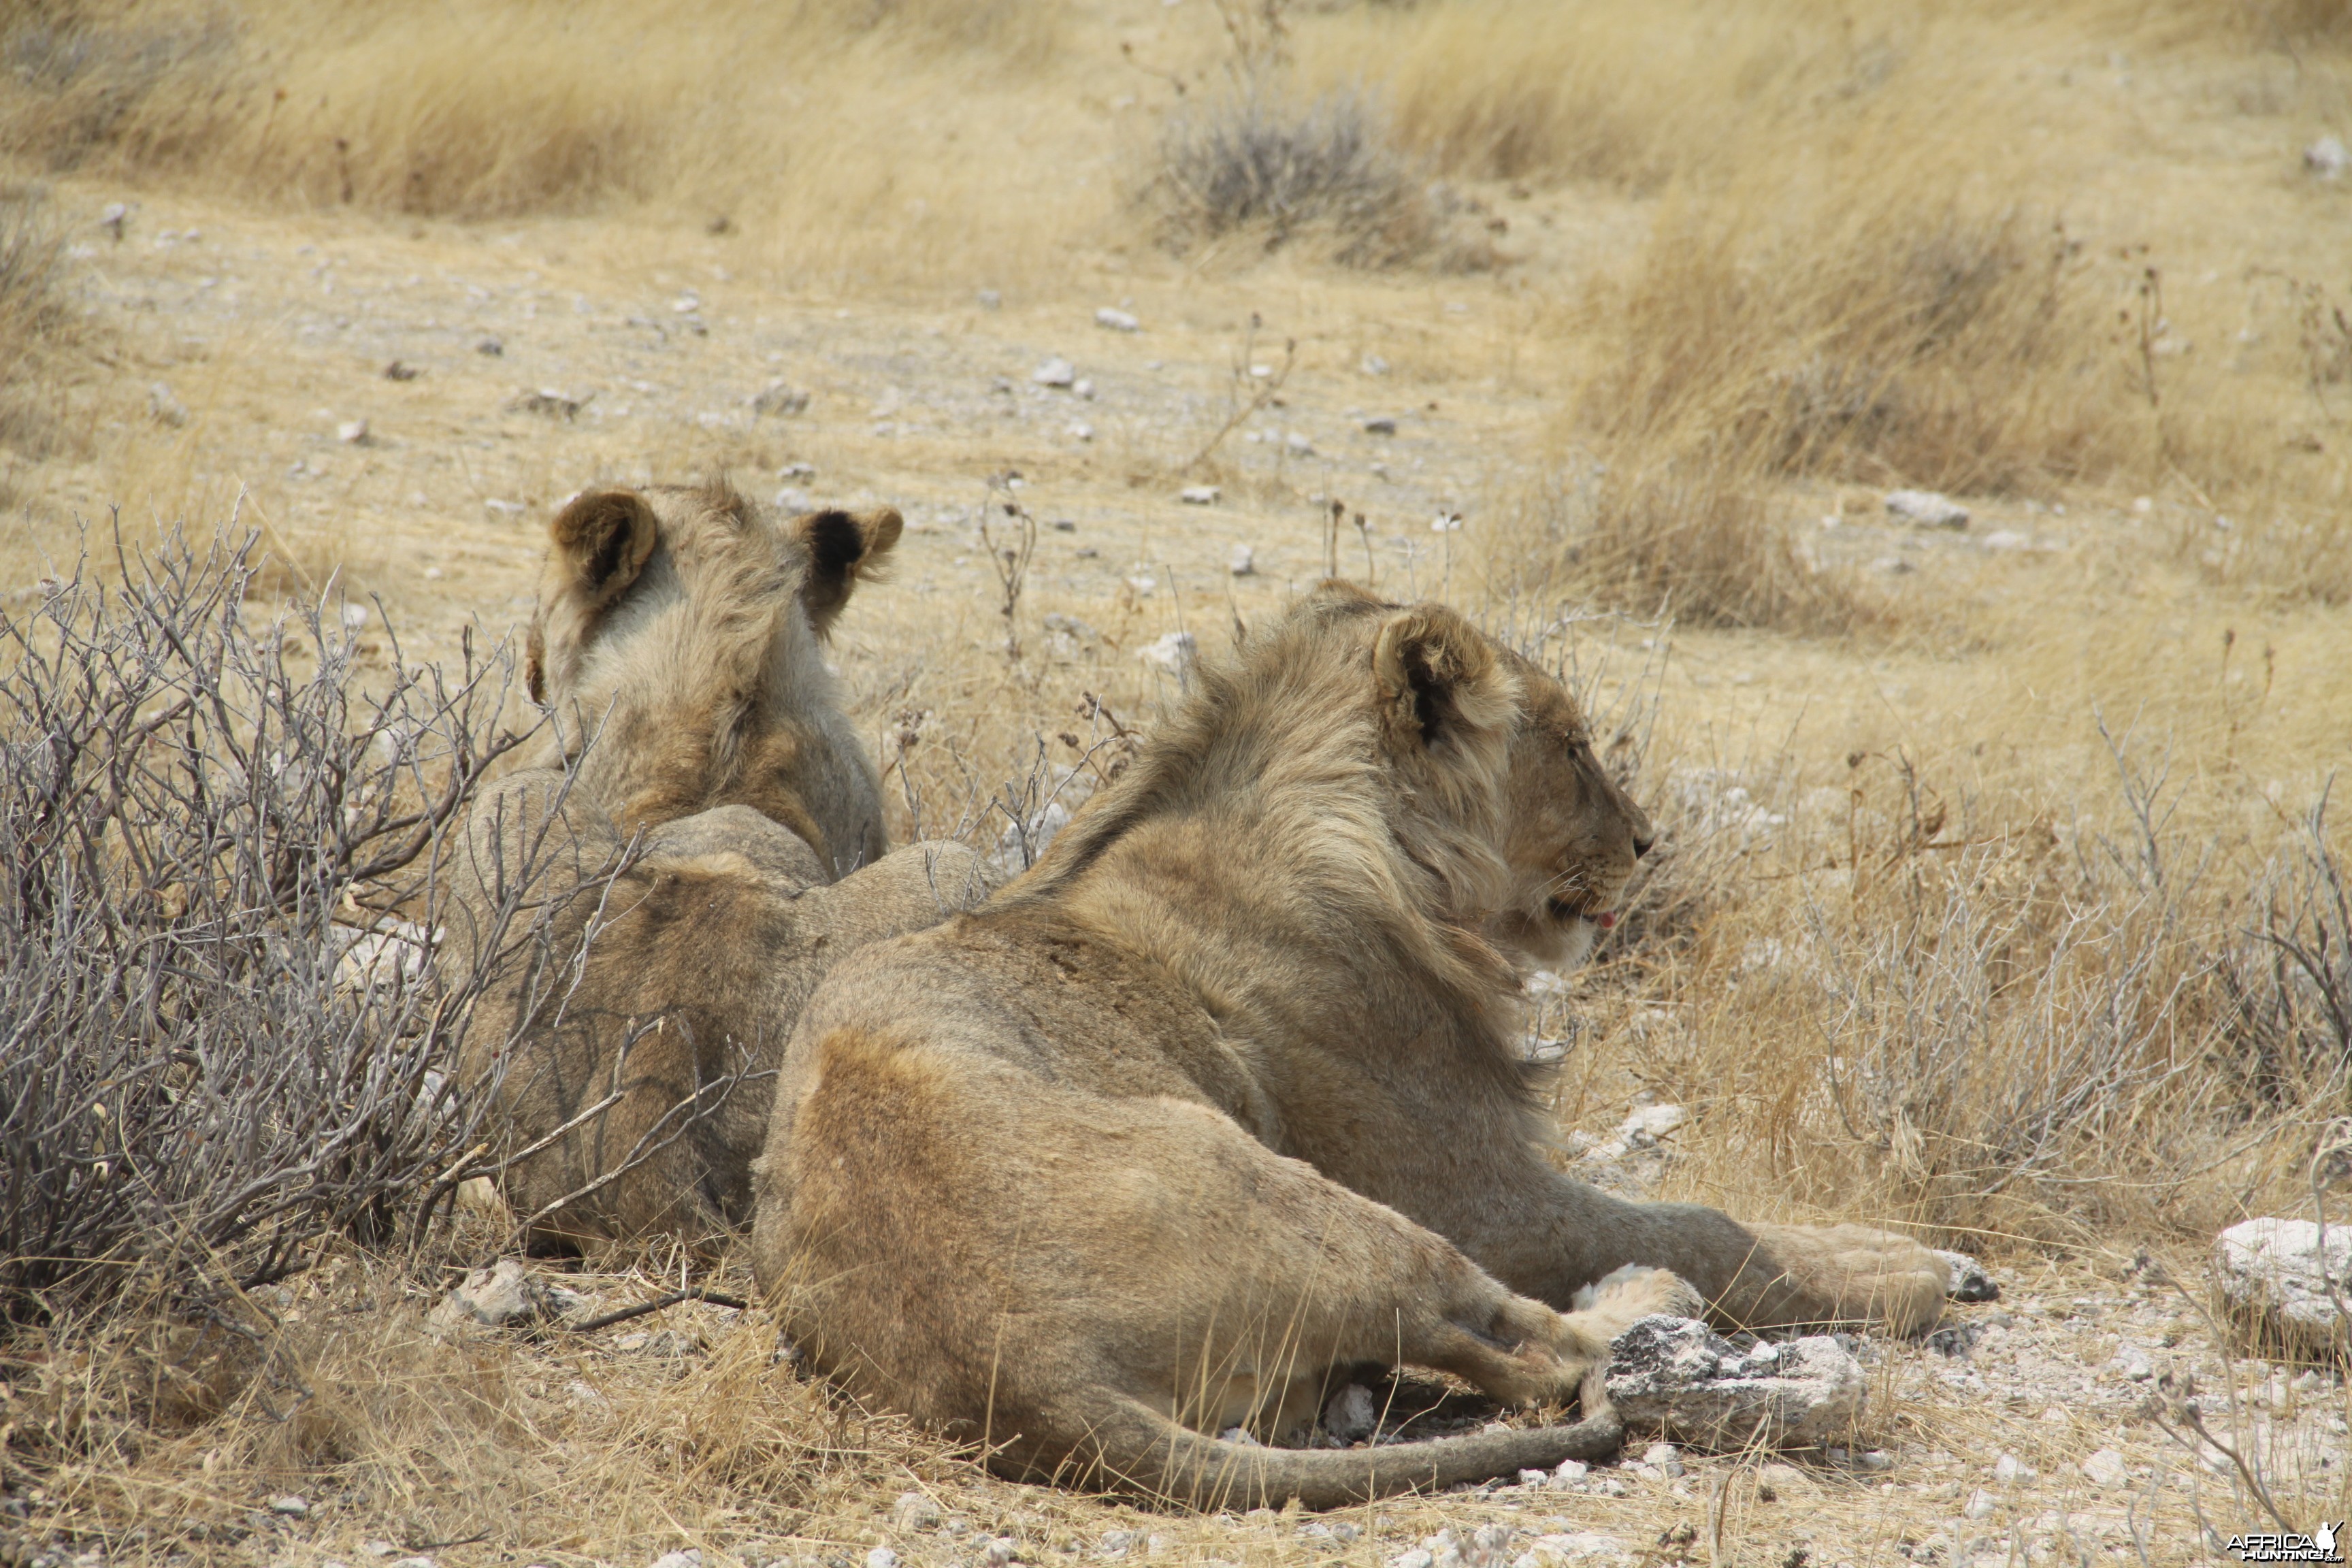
799,123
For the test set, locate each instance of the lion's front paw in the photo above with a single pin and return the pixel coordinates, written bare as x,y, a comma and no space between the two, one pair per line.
1822,1276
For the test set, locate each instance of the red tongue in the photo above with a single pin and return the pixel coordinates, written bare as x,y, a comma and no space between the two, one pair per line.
1605,921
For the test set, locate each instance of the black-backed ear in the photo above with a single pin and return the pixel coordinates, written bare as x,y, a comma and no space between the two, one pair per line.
603,538
534,662
1441,685
843,547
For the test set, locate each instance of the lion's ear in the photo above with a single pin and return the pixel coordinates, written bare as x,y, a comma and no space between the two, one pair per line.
603,539
1441,685
843,547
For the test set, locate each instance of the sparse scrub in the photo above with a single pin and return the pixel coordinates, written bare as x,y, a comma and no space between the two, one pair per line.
1254,161
224,1044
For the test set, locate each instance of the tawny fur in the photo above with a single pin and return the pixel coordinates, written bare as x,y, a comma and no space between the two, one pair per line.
677,640
1220,1099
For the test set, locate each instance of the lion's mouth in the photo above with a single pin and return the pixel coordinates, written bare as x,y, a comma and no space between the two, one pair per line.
1564,911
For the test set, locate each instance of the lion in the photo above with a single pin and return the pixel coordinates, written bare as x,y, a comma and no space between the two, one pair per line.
699,747
1219,1101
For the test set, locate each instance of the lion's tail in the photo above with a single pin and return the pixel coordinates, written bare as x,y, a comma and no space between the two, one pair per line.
1139,1449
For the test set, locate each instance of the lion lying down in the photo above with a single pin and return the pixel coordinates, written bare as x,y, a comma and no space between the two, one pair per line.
679,640
1218,1098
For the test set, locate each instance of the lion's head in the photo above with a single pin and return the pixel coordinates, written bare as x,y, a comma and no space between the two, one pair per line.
680,630
1483,775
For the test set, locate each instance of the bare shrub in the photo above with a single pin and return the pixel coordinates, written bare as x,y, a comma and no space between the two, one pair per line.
2287,1036
220,1040
1253,159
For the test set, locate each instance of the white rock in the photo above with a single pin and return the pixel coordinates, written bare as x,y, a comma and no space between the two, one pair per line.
1927,509
913,1510
1079,430
1662,1456
1351,1414
2107,1468
1533,1478
1054,371
1373,365
1084,388
1173,653
2327,157
504,1294
881,1557
1116,321
1243,561
794,499
1300,445
2010,1470
999,1551
1676,1377
165,408
691,1557
2006,539
686,304
1199,495
290,1506
2272,1270
1569,1472
2134,1364
1982,1504
352,432
1419,1557
989,300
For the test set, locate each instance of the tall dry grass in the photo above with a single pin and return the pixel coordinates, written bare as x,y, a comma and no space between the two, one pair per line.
883,137
1856,270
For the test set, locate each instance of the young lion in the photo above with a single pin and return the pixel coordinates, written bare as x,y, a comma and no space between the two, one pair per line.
1219,1098
679,640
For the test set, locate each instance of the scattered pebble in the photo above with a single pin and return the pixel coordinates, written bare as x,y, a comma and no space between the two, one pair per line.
290,1506
1373,365
2327,157
2107,1468
1054,371
1243,561
352,432
165,407
1380,425
1199,495
1116,321
913,1510
400,370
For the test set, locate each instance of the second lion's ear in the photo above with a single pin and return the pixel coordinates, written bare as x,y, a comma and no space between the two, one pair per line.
843,547
603,539
1441,686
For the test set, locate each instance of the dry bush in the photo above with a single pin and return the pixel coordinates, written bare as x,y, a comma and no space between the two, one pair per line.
221,1047
1884,999
1253,159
